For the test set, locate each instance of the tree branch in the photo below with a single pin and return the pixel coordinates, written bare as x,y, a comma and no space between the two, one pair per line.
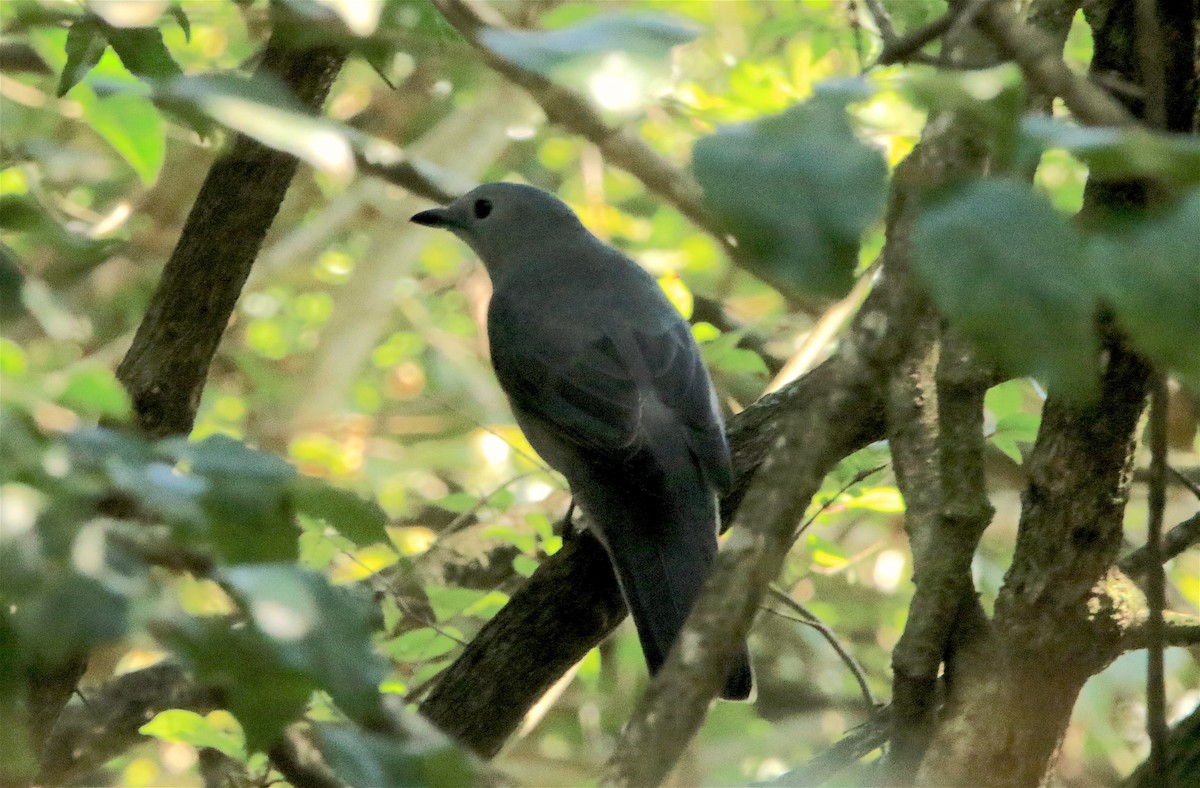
620,146
167,366
1175,541
1038,56
106,723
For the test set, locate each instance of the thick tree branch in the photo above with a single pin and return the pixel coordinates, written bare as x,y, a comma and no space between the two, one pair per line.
166,368
1178,629
105,724
1038,55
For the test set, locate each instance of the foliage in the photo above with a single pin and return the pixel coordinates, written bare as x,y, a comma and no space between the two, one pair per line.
355,501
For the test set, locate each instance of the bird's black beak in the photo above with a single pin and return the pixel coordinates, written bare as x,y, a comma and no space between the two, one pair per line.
434,217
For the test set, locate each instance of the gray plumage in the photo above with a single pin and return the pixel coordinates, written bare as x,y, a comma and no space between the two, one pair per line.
607,383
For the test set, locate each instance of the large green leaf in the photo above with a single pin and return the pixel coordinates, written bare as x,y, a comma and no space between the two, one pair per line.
1010,273
1149,273
355,518
260,689
85,44
264,111
644,36
316,629
143,52
125,119
249,517
797,190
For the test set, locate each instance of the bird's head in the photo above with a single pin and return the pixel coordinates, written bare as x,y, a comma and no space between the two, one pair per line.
505,223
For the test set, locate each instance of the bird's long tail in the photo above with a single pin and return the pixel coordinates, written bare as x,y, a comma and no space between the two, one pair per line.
662,554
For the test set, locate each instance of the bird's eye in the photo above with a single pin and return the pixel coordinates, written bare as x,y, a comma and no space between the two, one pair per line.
482,208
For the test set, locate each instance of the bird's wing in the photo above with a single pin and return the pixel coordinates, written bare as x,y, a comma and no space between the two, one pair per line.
611,392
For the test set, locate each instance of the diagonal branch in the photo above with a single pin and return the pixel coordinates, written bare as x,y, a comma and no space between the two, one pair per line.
620,146
1184,535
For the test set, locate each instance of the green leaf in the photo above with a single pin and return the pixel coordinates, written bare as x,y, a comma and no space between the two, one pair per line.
181,18
1149,273
420,645
1120,154
797,190
1020,426
223,455
126,119
85,44
94,390
143,52
188,727
249,517
317,629
264,111
258,687
644,36
359,757
359,520
67,617
1009,272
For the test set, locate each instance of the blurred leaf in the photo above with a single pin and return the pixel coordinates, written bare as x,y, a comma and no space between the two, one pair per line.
94,390
1120,154
85,44
246,499
797,190
223,455
143,52
992,100
545,51
264,111
420,645
360,16
12,279
188,727
260,689
1013,429
124,118
1149,272
68,616
182,19
317,629
359,757
23,213
1009,272
355,518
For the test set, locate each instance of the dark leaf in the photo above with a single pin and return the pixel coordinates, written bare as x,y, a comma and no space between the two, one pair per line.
363,758
258,687
1009,272
797,190
143,52
319,630
359,520
1150,275
1121,154
182,19
85,45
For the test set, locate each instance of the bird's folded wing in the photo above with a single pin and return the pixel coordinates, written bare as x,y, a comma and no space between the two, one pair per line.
597,390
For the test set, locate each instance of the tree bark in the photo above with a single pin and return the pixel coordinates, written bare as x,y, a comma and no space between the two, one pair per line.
167,366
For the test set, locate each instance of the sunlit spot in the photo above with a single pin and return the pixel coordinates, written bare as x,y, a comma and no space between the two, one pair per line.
495,450
617,84
280,621
889,570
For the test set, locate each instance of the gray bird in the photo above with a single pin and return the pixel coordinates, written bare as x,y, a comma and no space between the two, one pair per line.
607,383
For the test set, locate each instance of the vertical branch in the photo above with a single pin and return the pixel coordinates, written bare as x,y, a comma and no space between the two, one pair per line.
166,368
1156,701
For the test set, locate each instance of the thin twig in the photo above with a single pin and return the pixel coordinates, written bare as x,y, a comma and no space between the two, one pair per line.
1184,535
911,43
858,477
1193,488
1156,702
808,618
